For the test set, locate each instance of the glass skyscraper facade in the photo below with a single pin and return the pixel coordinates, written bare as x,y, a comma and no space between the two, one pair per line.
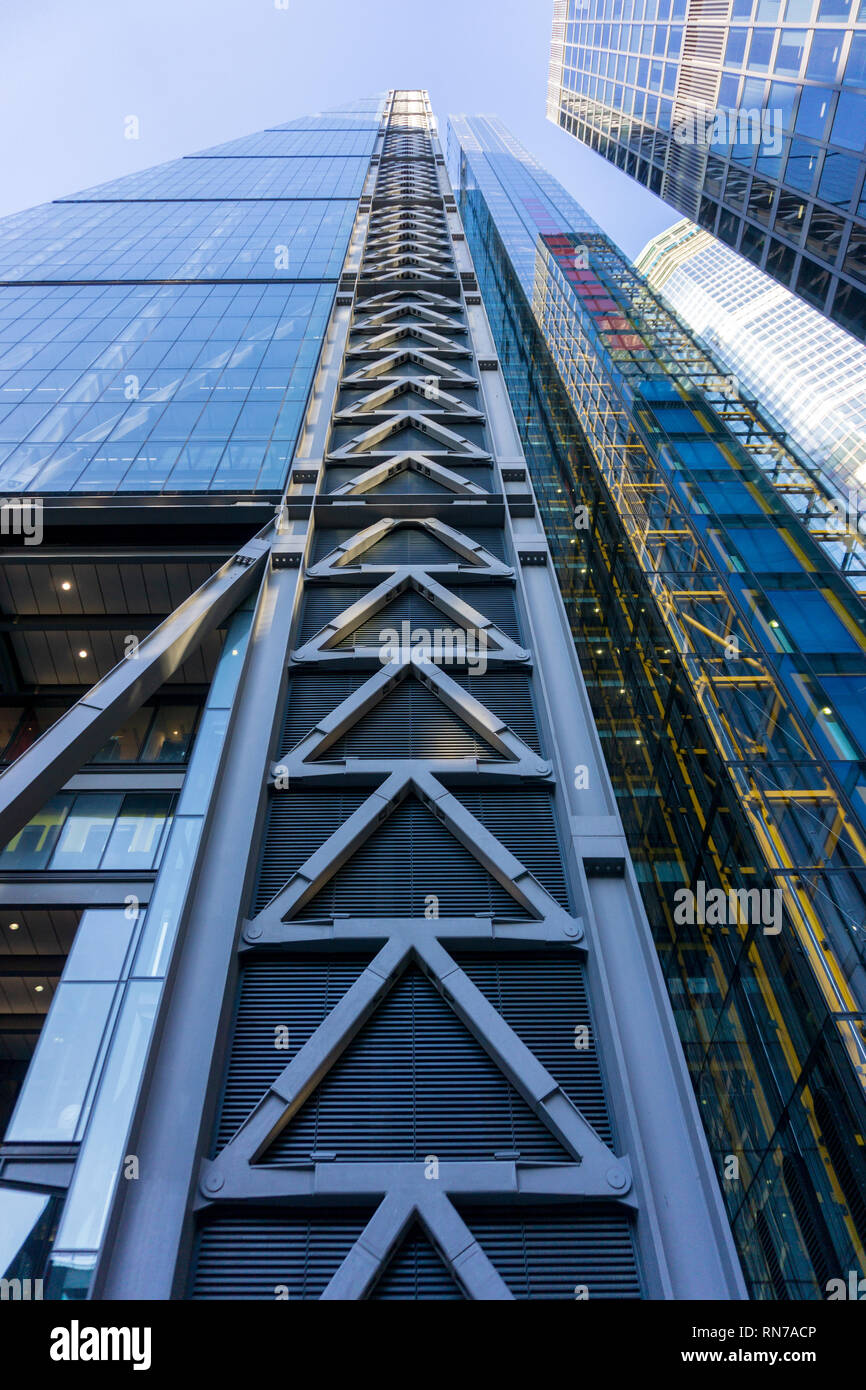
809,375
720,633
324,968
159,334
749,116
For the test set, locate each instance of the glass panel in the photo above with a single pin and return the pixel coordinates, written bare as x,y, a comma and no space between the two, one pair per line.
760,49
135,838
736,47
19,1213
124,745
789,56
164,907
231,661
86,832
839,179
31,847
812,113
849,125
55,1088
170,736
199,781
855,68
102,1152
100,945
824,55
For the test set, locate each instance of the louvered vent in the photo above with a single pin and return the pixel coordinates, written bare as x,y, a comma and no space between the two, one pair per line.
414,1082
411,607
412,722
313,694
408,857
549,1252
543,998
495,601
255,1255
298,823
325,602
810,1218
416,1271
508,694
409,546
275,993
525,825
406,482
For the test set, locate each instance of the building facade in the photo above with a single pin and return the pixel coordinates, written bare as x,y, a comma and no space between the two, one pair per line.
684,536
326,965
809,375
748,116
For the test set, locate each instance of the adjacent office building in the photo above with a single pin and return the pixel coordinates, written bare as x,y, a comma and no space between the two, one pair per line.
809,375
326,971
721,629
748,116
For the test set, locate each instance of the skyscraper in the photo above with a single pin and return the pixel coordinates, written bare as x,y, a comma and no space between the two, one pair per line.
748,116
721,635
807,373
317,860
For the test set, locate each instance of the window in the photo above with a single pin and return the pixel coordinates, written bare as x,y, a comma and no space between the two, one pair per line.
855,258
802,166
170,735
855,68
760,49
780,262
812,113
839,179
92,831
824,55
792,44
849,126
849,309
824,236
736,49
789,215
761,200
813,282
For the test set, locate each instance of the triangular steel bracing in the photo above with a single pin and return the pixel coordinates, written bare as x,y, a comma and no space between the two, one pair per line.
387,639
401,378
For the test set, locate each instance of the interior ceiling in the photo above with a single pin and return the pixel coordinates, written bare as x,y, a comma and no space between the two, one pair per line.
30,588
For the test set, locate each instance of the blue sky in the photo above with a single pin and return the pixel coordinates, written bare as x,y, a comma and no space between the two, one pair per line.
197,72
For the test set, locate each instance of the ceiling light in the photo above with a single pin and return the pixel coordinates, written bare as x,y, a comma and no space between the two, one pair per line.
82,654
826,710
13,926
38,988
66,586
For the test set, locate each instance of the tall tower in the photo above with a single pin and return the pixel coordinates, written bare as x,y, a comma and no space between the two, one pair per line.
746,115
692,543
415,1041
809,375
